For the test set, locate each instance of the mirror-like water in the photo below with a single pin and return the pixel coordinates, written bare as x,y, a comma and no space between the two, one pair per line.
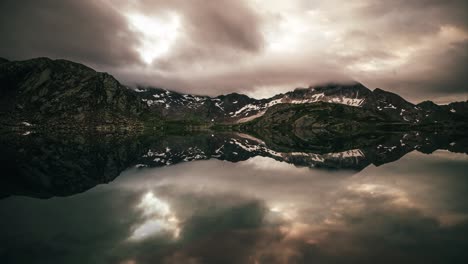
231,198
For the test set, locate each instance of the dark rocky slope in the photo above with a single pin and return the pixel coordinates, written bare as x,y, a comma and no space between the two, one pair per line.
59,92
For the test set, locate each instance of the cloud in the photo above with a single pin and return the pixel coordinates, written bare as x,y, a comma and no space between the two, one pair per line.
451,12
210,31
259,47
264,76
86,31
386,45
434,72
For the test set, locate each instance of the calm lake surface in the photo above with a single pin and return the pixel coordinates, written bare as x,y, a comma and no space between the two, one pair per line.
227,199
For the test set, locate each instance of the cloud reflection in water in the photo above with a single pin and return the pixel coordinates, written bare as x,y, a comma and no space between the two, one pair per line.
256,211
158,219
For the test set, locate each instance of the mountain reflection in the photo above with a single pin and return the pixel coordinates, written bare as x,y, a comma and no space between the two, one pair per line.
44,166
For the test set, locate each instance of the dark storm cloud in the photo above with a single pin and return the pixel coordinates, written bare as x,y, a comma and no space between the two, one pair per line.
85,31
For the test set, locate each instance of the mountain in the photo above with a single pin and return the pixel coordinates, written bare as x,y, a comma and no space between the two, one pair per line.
237,108
460,108
317,117
60,93
63,92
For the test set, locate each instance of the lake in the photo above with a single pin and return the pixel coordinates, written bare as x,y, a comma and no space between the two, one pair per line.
233,198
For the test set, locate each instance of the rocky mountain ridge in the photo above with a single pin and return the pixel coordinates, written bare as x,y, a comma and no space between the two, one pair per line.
238,108
42,90
56,92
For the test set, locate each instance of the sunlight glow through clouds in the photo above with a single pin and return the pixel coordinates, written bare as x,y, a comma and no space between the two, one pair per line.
293,32
158,34
287,35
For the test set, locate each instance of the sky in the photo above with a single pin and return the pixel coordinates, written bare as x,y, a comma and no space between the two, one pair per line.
416,48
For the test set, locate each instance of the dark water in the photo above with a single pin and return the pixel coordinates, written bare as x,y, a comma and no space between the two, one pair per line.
230,198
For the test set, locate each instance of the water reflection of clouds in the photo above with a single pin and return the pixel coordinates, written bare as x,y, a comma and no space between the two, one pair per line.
315,208
158,218
309,190
265,211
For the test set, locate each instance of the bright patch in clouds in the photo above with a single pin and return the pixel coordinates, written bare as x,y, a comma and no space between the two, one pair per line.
158,34
287,35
